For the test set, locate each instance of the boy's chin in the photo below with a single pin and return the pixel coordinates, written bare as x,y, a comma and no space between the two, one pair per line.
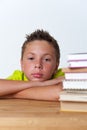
40,80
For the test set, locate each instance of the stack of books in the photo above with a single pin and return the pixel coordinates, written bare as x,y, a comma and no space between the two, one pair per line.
76,60
74,94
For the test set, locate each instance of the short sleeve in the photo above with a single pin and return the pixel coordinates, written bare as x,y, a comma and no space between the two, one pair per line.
59,73
17,75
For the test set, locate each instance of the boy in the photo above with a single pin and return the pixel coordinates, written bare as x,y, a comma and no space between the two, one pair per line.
37,79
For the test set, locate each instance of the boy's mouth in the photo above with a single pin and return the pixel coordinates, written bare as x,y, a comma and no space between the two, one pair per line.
37,75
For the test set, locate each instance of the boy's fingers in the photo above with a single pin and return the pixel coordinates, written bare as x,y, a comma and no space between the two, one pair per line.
60,78
53,81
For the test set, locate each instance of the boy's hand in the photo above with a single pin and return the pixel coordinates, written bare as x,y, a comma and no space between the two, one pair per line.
50,82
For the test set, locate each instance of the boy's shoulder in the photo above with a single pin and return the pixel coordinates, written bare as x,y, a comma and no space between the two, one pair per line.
17,75
59,73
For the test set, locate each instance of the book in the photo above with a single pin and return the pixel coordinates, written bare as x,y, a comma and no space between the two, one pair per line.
73,106
75,84
75,60
74,70
73,95
77,56
77,64
76,76
75,73
73,101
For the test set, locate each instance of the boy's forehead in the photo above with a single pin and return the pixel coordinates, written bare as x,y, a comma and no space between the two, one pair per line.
40,47
40,43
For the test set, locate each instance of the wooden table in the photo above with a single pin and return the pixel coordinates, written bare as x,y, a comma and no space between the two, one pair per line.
16,114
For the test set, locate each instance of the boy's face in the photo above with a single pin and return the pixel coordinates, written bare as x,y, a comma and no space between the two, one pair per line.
39,61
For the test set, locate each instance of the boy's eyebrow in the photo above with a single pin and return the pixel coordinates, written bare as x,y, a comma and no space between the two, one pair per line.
43,54
30,53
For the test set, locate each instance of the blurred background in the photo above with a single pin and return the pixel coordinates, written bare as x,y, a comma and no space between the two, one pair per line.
66,20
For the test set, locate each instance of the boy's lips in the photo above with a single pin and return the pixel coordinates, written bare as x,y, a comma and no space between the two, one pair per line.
37,75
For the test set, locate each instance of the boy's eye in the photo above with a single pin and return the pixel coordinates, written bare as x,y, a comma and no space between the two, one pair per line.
30,58
47,59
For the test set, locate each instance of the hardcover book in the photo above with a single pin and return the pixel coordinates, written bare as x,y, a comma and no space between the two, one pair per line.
77,56
73,101
77,64
72,106
74,94
76,76
75,84
74,70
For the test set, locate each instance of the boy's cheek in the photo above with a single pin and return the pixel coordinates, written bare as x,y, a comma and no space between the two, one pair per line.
50,67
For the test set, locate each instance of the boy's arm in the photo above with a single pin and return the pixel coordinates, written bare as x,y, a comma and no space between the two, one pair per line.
11,86
39,93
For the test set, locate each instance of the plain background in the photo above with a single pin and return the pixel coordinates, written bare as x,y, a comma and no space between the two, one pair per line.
66,20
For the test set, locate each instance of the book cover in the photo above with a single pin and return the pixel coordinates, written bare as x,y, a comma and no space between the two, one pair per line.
77,64
76,76
77,56
68,106
74,70
75,84
73,95
72,100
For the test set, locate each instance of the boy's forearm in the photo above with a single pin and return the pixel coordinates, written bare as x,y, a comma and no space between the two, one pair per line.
40,93
10,86
13,86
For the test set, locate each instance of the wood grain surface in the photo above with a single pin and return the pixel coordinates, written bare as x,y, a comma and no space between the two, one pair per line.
18,114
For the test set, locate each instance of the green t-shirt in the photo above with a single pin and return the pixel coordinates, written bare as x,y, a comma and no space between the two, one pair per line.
19,75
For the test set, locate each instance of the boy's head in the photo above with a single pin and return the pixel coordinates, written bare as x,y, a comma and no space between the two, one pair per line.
40,56
42,35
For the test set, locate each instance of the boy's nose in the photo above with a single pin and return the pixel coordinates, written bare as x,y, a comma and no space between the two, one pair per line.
38,65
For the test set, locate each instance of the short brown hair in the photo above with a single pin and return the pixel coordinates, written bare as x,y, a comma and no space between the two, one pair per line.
42,35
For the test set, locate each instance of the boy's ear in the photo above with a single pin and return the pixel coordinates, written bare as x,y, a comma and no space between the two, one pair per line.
57,65
21,63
